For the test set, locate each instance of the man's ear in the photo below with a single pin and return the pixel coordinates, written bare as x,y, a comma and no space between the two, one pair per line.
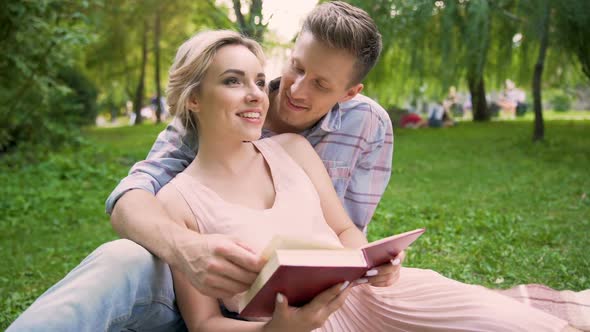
352,92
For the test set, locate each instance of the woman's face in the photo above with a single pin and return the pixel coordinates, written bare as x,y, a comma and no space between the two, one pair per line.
232,99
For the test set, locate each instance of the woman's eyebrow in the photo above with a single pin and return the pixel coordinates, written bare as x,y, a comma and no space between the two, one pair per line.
240,72
234,71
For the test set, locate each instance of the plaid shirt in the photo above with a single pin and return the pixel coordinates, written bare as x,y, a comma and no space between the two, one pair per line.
354,140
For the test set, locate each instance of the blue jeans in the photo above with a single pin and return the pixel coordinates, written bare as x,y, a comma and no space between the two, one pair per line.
119,287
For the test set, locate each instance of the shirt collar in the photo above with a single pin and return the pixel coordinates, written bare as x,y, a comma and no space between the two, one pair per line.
332,121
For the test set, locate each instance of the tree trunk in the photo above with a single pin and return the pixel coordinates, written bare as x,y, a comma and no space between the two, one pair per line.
539,130
478,98
242,25
137,105
157,60
249,25
257,27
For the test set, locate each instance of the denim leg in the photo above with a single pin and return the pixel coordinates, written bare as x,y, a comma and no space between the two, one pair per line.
119,287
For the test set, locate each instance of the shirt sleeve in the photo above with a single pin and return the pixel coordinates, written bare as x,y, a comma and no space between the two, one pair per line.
172,152
371,174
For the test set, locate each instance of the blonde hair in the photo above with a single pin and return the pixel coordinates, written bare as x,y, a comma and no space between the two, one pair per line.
192,60
343,26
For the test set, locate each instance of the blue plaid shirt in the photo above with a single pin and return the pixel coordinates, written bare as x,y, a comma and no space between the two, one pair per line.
354,140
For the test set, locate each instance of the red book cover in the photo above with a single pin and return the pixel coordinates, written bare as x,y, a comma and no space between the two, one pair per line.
301,274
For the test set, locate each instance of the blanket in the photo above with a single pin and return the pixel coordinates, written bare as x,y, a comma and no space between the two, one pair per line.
573,307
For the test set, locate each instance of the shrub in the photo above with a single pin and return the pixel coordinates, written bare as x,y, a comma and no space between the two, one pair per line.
78,105
41,42
561,103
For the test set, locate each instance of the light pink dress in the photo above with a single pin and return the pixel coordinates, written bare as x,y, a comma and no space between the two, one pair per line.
421,300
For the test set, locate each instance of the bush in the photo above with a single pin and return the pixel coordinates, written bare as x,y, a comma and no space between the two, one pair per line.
78,104
42,100
52,116
561,103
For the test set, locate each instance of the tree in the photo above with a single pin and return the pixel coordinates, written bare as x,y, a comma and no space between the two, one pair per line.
139,92
551,27
117,57
55,52
157,66
439,44
250,24
40,41
573,24
434,44
539,128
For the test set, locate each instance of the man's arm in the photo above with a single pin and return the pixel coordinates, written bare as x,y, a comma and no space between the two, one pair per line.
135,212
172,152
140,217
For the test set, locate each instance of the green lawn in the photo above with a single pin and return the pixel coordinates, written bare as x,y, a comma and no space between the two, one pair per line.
499,209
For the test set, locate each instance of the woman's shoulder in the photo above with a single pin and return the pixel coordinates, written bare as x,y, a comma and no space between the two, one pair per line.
168,193
289,141
297,147
293,144
170,196
174,203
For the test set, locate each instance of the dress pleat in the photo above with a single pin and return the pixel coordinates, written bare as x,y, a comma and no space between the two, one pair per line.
423,300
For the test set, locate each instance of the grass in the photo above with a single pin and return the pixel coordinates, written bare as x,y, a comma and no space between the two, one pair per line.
499,209
556,115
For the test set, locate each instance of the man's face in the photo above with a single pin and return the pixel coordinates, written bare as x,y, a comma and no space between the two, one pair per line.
315,79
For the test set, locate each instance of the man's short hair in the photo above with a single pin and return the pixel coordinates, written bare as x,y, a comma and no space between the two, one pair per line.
342,26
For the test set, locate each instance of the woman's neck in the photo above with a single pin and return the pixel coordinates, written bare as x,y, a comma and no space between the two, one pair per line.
221,157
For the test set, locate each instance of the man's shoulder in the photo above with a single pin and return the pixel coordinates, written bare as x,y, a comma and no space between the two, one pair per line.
362,107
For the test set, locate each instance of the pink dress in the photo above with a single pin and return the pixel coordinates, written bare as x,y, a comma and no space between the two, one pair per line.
421,300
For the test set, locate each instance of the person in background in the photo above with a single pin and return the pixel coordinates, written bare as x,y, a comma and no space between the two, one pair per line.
439,116
413,120
510,99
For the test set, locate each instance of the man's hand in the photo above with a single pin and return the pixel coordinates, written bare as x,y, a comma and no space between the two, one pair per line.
384,275
217,265
312,315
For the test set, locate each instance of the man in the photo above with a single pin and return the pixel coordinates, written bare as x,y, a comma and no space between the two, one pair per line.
318,97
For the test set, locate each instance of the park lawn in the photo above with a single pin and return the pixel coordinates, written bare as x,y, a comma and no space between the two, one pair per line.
499,210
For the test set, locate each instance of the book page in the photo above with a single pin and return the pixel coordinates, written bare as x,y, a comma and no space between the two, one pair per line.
285,242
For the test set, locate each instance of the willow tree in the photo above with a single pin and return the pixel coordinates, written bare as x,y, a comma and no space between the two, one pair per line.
437,44
555,45
573,24
434,44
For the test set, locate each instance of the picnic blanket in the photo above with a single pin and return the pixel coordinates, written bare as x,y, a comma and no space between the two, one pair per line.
571,306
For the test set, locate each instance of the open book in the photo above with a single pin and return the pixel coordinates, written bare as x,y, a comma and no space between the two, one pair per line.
301,270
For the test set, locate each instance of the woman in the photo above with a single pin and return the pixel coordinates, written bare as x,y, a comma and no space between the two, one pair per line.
253,189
